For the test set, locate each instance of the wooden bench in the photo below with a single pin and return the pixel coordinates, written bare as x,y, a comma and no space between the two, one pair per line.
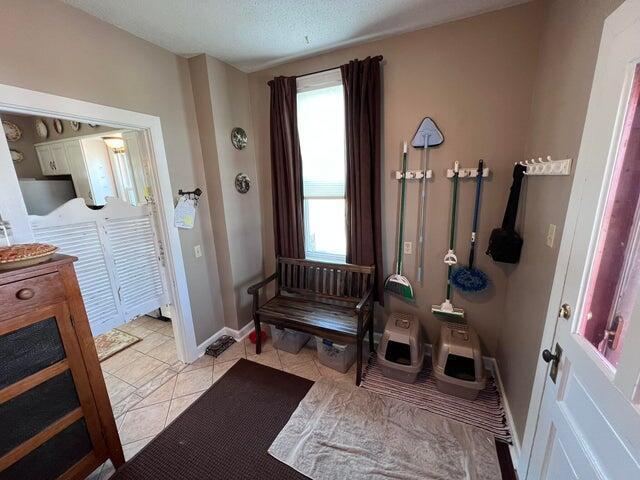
332,301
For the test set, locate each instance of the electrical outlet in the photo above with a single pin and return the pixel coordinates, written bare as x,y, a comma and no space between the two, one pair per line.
551,235
197,250
408,248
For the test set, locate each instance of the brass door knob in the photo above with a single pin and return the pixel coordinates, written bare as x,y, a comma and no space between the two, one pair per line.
565,311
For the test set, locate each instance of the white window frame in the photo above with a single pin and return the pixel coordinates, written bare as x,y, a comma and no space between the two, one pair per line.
329,78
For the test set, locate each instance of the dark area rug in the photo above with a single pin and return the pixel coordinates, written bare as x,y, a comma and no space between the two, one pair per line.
226,433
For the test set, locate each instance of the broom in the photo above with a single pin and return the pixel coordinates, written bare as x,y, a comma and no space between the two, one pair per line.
397,283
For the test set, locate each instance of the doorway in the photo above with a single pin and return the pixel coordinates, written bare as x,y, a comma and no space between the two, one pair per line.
14,213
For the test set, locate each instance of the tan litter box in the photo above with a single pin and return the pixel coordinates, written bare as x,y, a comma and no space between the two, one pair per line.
400,352
457,362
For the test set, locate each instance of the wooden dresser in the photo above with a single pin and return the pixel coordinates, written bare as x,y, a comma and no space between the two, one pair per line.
55,417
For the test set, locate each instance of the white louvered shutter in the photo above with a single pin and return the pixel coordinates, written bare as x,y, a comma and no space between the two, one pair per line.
137,267
82,240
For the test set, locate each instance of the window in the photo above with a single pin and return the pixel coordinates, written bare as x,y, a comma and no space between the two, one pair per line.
322,143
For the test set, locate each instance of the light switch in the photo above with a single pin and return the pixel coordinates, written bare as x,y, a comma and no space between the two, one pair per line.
408,248
551,235
197,250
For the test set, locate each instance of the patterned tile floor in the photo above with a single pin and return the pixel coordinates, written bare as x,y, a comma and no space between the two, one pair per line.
149,387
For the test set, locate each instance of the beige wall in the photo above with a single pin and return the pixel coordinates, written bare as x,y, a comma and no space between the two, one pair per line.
474,78
58,49
221,94
568,51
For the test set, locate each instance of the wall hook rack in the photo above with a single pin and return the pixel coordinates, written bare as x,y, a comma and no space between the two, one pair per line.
468,172
546,166
413,174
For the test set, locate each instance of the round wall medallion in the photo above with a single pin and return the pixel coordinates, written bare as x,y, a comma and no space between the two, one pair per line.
239,138
16,156
57,125
41,128
75,126
11,131
243,183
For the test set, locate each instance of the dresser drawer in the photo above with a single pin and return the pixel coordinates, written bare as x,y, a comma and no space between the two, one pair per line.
23,296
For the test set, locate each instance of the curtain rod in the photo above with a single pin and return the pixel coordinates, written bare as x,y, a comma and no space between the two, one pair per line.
377,57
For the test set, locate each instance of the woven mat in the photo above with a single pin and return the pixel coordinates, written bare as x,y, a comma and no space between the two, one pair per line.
485,412
112,342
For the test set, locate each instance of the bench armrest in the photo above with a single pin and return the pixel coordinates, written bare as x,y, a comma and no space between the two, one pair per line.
364,300
253,289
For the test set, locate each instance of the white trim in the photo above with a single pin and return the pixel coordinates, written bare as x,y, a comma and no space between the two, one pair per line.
238,335
20,100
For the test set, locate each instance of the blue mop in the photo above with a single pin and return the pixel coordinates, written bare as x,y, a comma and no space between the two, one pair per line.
470,279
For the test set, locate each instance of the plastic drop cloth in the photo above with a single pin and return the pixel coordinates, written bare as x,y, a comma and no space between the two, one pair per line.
340,431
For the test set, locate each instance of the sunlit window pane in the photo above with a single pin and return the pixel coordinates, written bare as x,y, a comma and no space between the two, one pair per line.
322,144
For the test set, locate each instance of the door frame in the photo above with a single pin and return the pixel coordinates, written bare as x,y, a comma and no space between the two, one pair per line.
617,21
20,100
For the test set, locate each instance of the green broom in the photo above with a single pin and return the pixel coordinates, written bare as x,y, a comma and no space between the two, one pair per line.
397,283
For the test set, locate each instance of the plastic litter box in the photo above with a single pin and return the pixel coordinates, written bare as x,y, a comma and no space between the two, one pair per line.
288,340
400,352
334,355
457,362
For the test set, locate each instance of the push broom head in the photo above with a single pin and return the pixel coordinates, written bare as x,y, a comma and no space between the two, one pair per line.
399,285
447,312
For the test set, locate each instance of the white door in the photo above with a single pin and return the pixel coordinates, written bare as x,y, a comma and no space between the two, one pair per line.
589,420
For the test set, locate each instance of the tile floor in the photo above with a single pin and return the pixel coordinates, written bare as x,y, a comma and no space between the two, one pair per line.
149,387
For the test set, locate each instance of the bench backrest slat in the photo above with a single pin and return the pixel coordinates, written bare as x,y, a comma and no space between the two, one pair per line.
328,281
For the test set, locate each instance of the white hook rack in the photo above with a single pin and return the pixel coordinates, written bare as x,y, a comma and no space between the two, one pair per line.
468,172
413,174
547,166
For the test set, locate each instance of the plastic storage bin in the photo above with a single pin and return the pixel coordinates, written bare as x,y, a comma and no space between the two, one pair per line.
457,362
288,340
334,355
400,352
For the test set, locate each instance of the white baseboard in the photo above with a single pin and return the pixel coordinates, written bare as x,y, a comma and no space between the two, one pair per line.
238,335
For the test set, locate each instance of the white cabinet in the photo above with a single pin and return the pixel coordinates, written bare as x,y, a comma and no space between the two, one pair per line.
53,159
86,160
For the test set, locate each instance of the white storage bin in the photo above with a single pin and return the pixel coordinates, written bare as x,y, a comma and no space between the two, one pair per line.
334,355
288,340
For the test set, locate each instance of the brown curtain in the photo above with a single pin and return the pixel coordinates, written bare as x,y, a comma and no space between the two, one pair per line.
286,169
361,80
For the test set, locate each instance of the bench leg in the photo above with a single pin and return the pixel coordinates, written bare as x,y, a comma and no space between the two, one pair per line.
359,361
371,346
256,323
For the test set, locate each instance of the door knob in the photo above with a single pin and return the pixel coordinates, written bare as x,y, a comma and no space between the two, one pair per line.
547,356
554,360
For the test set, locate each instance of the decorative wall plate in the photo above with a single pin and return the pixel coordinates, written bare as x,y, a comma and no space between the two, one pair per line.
243,183
57,125
239,138
75,126
12,131
16,156
41,128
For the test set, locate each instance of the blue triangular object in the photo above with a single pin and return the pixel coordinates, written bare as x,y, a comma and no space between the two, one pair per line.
427,130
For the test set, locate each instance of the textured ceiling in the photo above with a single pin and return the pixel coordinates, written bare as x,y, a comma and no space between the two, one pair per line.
255,34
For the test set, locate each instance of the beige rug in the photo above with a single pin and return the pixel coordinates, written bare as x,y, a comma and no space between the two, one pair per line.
341,431
112,342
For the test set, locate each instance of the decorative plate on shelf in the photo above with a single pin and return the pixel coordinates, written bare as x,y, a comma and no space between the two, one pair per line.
239,138
57,125
11,131
16,156
75,126
23,255
41,128
243,183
